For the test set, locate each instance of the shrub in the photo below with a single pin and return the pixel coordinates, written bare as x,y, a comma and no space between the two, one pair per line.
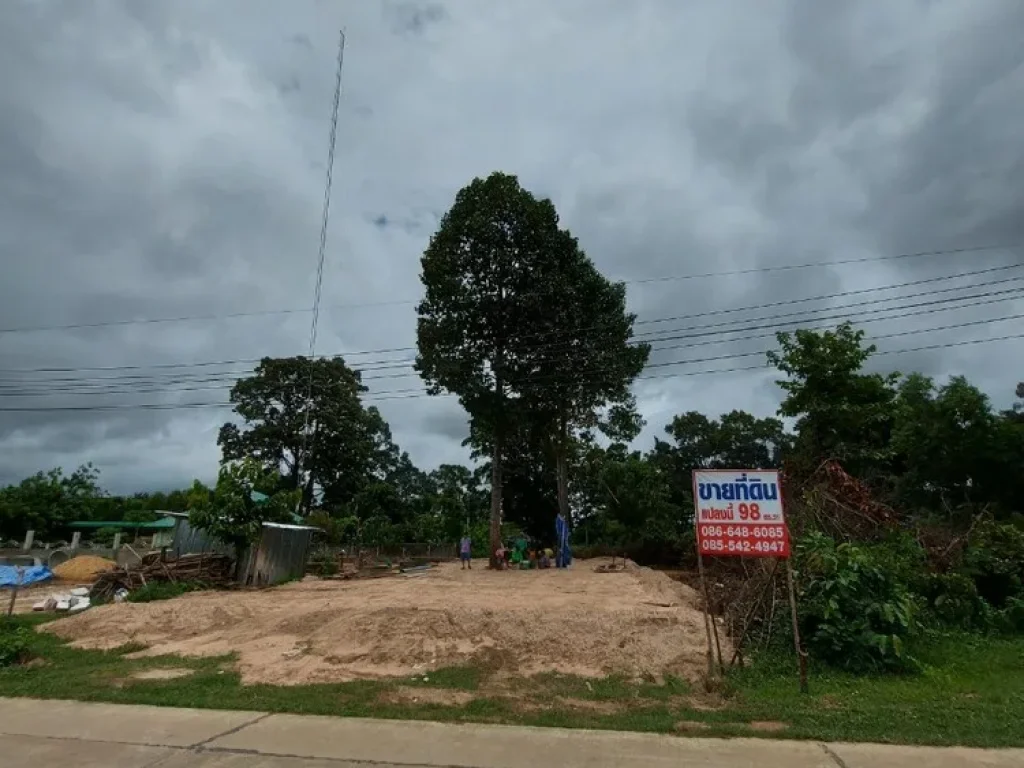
161,590
14,644
995,561
953,601
856,613
322,564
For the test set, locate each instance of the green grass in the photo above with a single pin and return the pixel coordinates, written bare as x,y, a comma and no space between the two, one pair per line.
971,693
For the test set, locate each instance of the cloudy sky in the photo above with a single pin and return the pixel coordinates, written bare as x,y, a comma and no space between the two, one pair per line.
165,159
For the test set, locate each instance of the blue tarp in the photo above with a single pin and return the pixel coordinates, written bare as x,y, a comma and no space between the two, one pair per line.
9,576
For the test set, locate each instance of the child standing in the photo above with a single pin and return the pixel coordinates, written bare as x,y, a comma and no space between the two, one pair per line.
464,552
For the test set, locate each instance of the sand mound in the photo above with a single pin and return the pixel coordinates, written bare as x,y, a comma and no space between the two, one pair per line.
83,568
638,623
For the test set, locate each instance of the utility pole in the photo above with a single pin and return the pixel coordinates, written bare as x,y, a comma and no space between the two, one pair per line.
325,218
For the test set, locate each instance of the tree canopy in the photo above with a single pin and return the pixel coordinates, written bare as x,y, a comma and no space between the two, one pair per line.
346,445
483,310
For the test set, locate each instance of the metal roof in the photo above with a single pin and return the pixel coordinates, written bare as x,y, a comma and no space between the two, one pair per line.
289,527
164,523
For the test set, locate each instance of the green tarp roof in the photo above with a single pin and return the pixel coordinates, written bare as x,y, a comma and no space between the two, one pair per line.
164,523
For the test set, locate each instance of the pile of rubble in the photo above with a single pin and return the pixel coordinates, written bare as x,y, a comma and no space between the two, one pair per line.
72,601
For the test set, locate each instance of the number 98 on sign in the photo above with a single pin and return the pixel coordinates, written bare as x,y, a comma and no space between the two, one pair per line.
739,513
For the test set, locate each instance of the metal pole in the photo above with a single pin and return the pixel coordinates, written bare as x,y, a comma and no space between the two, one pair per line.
325,217
800,653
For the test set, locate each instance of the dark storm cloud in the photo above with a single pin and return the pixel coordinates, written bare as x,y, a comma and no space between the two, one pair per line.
413,18
167,159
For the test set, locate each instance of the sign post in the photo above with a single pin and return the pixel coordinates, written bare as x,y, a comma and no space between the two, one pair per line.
739,513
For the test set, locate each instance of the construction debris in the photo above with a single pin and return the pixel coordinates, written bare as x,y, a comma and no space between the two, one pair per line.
70,602
208,569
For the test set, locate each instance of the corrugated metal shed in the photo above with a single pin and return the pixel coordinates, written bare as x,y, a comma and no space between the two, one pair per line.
280,554
189,540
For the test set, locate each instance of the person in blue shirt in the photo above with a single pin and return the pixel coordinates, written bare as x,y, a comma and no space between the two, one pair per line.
563,554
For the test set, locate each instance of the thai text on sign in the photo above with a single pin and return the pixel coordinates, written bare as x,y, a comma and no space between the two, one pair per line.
739,513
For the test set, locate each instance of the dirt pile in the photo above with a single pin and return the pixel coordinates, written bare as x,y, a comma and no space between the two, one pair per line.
639,623
83,568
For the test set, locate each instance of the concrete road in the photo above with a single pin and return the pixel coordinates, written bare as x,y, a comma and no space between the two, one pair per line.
52,734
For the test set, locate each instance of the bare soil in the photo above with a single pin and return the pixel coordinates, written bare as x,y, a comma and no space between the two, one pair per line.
638,623
443,696
162,674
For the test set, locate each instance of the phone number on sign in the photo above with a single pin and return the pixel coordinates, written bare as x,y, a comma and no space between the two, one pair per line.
743,531
743,545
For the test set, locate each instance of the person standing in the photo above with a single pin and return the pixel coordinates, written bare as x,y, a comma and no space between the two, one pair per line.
465,546
563,554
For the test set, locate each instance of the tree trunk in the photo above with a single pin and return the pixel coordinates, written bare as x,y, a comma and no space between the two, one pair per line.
562,469
306,502
496,497
496,459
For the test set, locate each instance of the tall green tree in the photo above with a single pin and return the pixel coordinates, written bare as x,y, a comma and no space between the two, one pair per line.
347,444
951,449
460,500
588,361
483,312
840,411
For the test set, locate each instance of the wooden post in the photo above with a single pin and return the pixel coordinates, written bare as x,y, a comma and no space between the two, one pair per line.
14,592
29,538
707,615
800,654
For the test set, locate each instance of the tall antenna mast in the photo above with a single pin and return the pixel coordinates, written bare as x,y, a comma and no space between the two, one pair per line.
325,218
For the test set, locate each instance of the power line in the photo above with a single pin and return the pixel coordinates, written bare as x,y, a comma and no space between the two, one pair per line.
130,388
686,333
374,365
844,294
544,380
406,394
840,262
639,281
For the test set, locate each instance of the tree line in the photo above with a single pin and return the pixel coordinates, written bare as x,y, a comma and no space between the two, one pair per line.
538,346
926,525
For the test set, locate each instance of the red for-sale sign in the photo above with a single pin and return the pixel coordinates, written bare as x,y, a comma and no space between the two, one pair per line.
739,513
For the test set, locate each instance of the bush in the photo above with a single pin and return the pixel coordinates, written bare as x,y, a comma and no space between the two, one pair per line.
953,601
14,644
995,561
1011,618
323,563
856,612
161,590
